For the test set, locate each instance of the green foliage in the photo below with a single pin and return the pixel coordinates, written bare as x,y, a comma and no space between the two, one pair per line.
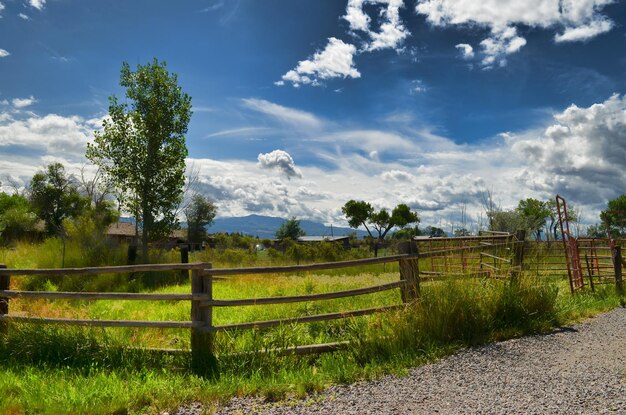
16,217
362,213
55,197
434,231
615,216
506,221
199,214
535,214
290,229
142,147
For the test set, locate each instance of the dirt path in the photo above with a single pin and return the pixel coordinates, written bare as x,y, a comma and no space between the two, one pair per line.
574,370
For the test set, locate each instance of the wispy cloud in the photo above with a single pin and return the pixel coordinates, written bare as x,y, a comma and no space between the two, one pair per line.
283,114
4,53
239,131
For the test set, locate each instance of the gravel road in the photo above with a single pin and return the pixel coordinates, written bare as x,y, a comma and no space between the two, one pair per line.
573,370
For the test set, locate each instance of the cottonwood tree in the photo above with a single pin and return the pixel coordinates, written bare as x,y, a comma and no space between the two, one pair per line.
362,213
142,147
199,213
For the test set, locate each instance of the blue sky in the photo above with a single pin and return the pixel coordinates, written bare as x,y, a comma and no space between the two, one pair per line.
302,105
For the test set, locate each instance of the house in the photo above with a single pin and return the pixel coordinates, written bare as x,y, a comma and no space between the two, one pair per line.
124,232
121,232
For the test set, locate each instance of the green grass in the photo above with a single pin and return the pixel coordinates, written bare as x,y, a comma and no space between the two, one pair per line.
52,369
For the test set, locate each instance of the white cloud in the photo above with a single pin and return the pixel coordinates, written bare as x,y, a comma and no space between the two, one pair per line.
1,8
283,114
335,61
23,102
391,31
397,175
280,160
23,16
594,28
417,87
37,4
499,45
467,51
577,19
239,132
583,154
4,53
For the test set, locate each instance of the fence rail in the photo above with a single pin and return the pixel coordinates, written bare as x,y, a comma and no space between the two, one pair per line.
495,256
202,302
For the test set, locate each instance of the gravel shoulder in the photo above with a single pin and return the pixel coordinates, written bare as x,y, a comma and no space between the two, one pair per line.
574,370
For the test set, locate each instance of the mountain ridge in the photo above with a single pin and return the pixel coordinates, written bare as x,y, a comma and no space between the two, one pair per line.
266,226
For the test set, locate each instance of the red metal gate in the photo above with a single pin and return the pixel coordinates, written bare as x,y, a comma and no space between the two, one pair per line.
570,245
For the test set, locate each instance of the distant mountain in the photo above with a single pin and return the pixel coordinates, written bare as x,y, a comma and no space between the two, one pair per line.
266,226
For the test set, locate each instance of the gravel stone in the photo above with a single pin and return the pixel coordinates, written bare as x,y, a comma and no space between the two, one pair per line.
573,370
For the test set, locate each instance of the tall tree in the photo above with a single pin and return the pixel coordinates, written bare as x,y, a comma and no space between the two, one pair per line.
199,214
142,147
362,213
54,197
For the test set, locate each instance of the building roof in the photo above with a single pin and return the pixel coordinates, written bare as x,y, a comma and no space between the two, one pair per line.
322,238
128,229
121,229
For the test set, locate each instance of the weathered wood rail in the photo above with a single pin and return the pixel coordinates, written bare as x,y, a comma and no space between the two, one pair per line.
201,323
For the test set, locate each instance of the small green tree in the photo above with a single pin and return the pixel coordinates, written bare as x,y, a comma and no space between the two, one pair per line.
362,213
142,147
535,214
615,216
199,214
434,231
54,197
290,229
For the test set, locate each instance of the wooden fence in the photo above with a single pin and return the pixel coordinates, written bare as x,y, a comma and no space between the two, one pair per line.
201,324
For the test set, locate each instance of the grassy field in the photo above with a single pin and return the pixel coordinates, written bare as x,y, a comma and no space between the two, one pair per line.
50,369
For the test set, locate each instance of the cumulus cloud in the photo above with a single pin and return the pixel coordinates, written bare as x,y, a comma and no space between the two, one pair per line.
280,160
283,114
335,61
573,20
23,102
4,53
397,175
390,32
583,154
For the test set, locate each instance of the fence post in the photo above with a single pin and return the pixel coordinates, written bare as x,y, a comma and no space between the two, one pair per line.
184,259
518,255
617,264
203,361
5,282
409,272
